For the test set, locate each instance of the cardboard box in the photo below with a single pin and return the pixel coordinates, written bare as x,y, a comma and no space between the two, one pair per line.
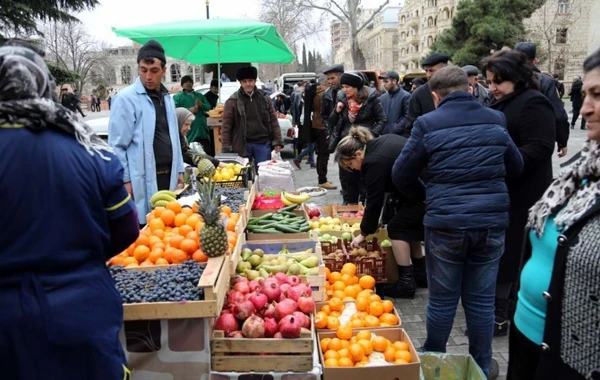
385,372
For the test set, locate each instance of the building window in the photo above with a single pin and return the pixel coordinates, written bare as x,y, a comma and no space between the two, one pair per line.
429,41
402,20
561,36
175,73
435,21
563,6
126,74
559,68
430,21
446,14
416,13
395,39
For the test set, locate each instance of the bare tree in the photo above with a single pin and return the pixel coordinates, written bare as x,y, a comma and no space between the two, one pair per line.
68,45
550,26
349,12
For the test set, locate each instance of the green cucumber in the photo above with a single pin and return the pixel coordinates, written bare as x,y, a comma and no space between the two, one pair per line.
264,217
264,222
304,228
253,227
290,214
288,208
267,231
286,229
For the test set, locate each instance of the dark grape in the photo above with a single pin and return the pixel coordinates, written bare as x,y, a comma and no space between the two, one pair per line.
234,197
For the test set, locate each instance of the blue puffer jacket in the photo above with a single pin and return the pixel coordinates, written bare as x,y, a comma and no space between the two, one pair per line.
467,154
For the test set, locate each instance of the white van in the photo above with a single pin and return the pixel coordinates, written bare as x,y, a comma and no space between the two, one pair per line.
288,80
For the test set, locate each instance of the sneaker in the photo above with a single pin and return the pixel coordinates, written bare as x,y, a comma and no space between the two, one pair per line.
494,370
313,166
297,163
328,185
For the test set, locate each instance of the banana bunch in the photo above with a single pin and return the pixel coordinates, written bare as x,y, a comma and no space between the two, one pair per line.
292,199
162,198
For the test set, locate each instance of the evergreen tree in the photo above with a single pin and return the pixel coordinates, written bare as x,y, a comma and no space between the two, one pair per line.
304,59
311,62
484,25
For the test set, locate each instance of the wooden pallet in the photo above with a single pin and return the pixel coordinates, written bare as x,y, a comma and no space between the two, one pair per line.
235,355
214,281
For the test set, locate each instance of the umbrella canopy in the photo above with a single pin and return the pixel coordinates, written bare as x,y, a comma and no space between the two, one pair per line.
215,41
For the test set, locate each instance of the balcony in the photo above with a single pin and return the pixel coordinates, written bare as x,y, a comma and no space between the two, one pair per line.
414,40
444,23
415,56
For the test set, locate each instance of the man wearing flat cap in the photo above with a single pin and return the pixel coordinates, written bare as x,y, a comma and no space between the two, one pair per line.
548,88
143,131
422,101
250,126
479,92
395,104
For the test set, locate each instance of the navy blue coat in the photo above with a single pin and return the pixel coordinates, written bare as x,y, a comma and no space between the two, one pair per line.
395,105
467,154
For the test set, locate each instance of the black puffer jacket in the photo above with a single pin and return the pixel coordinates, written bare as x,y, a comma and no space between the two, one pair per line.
370,116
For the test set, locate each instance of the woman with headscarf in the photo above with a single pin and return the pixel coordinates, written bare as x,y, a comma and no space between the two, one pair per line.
357,105
65,213
555,333
190,157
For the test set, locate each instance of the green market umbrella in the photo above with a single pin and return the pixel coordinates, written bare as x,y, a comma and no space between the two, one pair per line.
215,41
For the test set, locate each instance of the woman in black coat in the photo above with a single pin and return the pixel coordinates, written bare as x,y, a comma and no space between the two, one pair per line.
357,105
530,123
555,332
374,158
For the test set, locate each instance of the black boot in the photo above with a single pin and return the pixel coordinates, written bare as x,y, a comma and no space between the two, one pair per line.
420,272
406,287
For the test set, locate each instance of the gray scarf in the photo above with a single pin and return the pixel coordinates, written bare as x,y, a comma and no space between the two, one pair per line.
27,99
568,196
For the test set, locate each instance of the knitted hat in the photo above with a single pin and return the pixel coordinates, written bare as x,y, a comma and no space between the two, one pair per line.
352,79
152,49
247,72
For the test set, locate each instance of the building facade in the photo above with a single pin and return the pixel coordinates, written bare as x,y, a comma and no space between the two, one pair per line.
340,33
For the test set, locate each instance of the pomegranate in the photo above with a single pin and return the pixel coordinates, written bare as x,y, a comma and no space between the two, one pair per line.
234,297
235,334
270,327
295,292
302,318
241,287
270,310
271,290
306,304
289,327
227,323
281,278
284,288
253,327
285,308
278,335
241,279
243,310
294,280
259,300
253,285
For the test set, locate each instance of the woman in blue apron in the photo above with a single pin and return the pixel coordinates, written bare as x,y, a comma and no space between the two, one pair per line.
65,212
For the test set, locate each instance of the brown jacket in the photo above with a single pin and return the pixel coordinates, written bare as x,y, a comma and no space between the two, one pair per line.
233,131
316,121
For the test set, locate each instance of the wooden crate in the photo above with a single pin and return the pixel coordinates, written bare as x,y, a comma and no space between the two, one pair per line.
235,355
214,281
337,210
277,237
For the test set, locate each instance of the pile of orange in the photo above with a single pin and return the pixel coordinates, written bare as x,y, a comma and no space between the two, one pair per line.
372,312
345,284
355,351
172,237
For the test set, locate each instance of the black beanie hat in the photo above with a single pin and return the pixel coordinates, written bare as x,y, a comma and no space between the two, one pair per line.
152,49
186,78
353,79
247,72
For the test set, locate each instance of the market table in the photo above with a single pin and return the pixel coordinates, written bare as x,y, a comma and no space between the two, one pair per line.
215,123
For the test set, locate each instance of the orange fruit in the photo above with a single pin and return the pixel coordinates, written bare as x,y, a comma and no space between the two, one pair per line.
142,240
161,261
364,334
374,298
357,323
185,229
379,343
159,234
180,219
357,352
389,354
327,274
354,281
189,246
168,216
132,265
345,362
367,346
158,211
353,340
326,309
331,362
401,346
364,293
335,304
360,364
344,353
192,235
349,269
388,306
231,224
156,224
362,304
372,321
321,320
345,344
335,314
334,276
200,256
400,361
404,355
187,211
338,285
226,210
129,260
179,256
117,260
324,344
141,253
389,318
333,323
351,291
174,206
344,332
375,308
156,254
192,220
348,299
176,240
339,294
366,282
335,344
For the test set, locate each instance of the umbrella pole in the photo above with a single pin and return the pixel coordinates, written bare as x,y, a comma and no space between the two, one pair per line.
219,66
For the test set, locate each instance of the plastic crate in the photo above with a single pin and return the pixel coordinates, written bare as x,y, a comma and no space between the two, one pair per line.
372,266
241,180
334,265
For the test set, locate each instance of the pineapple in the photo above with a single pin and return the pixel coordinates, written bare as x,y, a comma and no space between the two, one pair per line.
213,238
206,169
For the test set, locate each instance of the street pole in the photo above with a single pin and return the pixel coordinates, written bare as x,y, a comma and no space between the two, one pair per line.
207,11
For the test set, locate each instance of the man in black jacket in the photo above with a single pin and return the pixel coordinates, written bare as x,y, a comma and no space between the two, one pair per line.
395,103
421,101
328,103
576,100
560,87
548,88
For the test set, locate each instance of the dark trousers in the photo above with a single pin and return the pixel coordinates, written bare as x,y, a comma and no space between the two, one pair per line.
351,186
163,181
523,356
576,116
322,150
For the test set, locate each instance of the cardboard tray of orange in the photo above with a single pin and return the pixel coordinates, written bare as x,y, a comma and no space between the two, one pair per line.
355,367
262,355
384,313
214,281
